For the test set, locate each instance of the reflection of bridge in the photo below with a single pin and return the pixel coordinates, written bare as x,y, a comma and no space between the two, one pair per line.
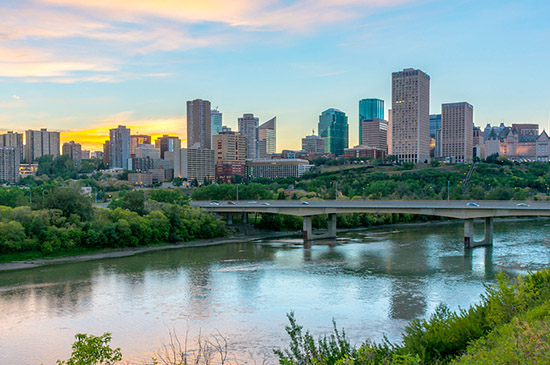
454,209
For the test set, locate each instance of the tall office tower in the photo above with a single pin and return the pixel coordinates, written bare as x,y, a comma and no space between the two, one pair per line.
74,151
411,115
198,124
374,133
313,143
9,164
13,139
119,147
333,128
229,155
215,121
457,123
369,109
41,143
167,144
267,136
248,127
136,140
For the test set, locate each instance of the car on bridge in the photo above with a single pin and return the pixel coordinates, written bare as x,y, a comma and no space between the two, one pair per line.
472,204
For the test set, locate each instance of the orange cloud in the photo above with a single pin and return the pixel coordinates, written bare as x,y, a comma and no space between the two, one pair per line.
93,138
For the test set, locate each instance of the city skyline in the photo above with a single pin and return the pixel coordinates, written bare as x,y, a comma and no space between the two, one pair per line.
82,70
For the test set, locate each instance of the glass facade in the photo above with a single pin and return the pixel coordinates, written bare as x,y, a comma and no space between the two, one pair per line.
370,109
435,124
333,128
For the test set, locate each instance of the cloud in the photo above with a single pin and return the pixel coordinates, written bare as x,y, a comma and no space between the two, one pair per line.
16,97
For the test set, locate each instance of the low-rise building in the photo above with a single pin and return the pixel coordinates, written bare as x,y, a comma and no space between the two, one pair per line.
141,178
365,151
276,168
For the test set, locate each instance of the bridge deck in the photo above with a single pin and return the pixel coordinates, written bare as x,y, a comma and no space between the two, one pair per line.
454,209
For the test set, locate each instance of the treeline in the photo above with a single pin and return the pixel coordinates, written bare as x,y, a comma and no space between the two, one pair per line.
489,181
67,221
510,326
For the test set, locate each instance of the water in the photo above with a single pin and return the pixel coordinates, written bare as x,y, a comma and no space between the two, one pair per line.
372,282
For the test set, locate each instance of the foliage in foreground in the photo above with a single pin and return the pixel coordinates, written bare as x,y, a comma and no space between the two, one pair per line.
510,325
92,350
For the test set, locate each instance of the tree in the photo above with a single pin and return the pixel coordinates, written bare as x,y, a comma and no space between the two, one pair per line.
92,350
69,200
134,201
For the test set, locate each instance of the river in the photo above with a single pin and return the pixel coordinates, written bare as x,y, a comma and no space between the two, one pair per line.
371,282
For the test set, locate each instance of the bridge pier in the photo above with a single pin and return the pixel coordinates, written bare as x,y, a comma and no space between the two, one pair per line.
308,229
229,220
469,233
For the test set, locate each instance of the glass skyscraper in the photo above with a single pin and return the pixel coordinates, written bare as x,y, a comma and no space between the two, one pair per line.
370,109
435,124
333,128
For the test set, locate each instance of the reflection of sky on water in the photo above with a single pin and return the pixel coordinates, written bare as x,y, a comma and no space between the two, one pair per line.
371,282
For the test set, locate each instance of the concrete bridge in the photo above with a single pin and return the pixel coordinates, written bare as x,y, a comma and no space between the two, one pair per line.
461,209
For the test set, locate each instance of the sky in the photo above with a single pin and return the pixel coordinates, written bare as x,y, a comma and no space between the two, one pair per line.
82,67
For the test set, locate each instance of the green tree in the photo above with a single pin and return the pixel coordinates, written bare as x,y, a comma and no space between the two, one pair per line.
69,200
92,350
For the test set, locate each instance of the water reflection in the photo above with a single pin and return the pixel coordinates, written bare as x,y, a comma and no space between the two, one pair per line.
372,282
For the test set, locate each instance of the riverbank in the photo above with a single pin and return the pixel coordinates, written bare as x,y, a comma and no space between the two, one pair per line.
246,236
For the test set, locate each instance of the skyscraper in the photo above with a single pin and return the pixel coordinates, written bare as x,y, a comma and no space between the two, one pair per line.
248,127
41,143
267,138
13,139
457,123
230,155
167,144
374,133
333,128
74,151
119,147
411,115
215,121
198,124
9,164
369,109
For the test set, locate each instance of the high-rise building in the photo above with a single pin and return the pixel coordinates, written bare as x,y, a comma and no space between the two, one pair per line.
215,121
229,155
333,128
195,163
267,138
411,115
74,151
136,140
457,123
248,127
389,132
435,123
119,147
167,144
13,139
106,157
369,109
374,133
198,124
41,143
85,155
313,144
9,164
